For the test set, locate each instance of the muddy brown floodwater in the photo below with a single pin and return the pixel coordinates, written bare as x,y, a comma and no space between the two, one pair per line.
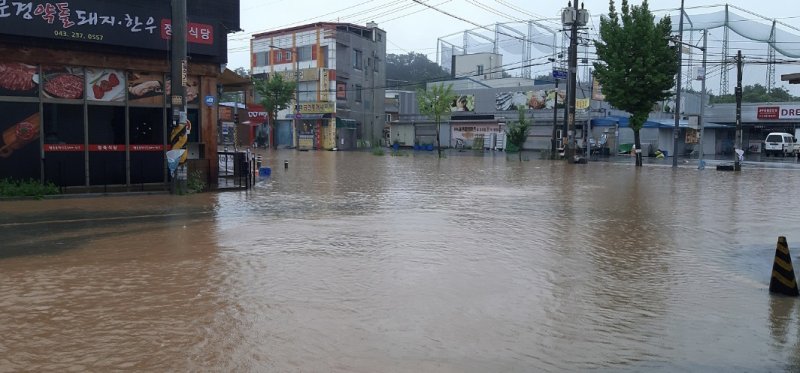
349,262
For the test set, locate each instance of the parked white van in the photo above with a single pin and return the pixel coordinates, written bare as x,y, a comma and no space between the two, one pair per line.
780,143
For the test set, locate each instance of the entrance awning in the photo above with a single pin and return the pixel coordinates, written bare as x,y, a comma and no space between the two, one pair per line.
345,123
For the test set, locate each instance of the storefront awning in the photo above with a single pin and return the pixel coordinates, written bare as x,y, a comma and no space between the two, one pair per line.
345,123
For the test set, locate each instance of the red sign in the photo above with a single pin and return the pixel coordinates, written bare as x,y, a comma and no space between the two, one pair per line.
199,33
147,148
256,114
106,148
63,147
768,112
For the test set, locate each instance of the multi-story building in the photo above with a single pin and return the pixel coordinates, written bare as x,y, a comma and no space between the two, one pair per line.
341,72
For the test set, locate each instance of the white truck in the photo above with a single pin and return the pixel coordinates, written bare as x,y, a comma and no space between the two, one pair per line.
781,144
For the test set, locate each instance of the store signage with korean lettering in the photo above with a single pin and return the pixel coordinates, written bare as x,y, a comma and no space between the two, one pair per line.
306,75
105,22
317,107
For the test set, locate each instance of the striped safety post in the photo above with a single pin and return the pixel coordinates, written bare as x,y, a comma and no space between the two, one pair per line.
178,138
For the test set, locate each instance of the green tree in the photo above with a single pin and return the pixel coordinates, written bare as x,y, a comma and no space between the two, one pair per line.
275,95
434,103
517,132
756,93
636,65
411,71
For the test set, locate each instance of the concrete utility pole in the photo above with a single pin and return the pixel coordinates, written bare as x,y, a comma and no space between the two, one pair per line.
703,96
179,76
553,141
736,165
676,131
569,152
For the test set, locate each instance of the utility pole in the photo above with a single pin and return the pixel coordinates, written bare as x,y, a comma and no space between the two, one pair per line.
676,130
736,165
569,152
703,96
179,76
553,141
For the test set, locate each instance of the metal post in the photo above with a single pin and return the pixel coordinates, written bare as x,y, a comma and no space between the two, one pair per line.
701,122
738,145
571,86
677,113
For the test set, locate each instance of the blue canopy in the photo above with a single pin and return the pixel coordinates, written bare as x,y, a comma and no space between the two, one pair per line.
611,121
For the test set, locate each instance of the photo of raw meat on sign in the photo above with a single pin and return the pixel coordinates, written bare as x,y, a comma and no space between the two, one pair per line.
63,82
19,79
146,88
105,85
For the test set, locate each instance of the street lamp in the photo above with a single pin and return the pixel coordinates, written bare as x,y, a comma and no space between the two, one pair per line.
295,116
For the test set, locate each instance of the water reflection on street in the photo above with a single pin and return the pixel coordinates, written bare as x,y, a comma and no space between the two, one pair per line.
351,262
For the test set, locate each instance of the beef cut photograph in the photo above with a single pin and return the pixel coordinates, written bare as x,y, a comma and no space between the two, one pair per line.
146,88
63,82
18,79
105,85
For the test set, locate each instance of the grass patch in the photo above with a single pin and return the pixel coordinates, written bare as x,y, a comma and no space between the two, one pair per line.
378,151
26,188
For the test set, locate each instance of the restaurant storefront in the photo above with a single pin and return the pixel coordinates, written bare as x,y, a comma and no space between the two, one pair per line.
84,90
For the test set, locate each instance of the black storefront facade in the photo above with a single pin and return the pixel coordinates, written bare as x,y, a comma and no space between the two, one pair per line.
85,88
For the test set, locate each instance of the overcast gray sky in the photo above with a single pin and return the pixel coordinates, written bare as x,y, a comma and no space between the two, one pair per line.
414,27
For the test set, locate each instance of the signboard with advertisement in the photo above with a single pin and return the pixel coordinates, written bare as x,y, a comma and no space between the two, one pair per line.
107,22
463,103
597,91
317,107
466,133
778,112
145,88
540,99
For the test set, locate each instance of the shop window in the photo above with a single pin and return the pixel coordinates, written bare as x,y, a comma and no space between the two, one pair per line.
146,132
194,116
20,127
64,160
106,145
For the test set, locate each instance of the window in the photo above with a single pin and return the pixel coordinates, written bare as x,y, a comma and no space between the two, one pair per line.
305,53
358,92
323,57
146,133
261,59
106,145
357,59
64,144
341,91
375,65
379,36
21,160
479,69
308,91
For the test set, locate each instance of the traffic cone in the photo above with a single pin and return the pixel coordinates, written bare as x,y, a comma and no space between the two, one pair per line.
783,280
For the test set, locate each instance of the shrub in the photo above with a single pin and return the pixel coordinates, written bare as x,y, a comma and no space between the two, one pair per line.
26,188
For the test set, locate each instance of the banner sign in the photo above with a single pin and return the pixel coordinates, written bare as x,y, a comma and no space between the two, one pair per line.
778,112
105,22
317,107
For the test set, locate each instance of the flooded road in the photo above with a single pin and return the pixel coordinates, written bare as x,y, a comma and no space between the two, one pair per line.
349,262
